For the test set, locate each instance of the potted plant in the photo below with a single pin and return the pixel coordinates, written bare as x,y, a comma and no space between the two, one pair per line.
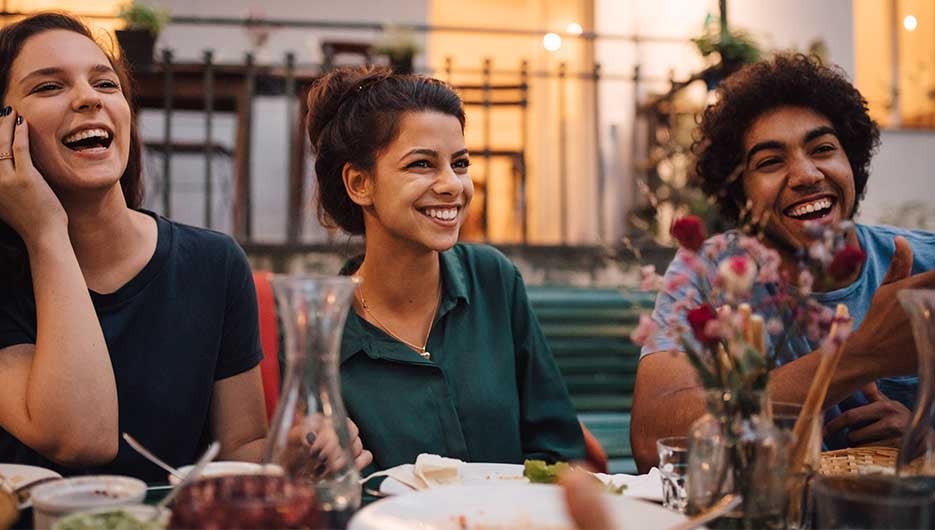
732,49
400,47
142,25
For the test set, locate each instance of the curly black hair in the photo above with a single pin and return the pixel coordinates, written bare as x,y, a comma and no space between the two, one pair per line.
784,80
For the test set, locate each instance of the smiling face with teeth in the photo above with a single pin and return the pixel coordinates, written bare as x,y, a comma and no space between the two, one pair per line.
79,119
795,172
419,191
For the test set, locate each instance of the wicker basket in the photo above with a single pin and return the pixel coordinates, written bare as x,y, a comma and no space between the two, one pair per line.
872,459
858,461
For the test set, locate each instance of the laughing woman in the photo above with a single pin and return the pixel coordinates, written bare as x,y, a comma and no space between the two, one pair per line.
441,352
111,318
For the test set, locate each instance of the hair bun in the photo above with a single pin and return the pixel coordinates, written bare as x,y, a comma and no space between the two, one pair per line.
329,93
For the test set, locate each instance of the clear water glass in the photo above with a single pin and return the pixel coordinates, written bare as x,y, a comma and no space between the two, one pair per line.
673,466
874,501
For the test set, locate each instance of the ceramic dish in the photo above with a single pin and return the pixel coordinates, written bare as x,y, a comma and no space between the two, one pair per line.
54,500
134,515
217,469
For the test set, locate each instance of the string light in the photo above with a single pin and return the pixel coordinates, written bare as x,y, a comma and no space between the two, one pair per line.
574,29
910,23
552,42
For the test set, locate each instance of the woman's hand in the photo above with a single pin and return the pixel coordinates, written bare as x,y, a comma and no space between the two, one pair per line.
313,448
27,203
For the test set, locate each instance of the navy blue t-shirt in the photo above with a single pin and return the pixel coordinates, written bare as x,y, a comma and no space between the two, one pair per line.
187,320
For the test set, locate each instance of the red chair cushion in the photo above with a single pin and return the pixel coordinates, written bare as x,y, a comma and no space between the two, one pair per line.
269,339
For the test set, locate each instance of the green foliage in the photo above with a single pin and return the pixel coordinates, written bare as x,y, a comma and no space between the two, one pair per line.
397,43
735,46
140,16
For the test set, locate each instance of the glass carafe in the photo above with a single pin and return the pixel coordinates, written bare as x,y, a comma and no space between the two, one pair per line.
918,445
309,435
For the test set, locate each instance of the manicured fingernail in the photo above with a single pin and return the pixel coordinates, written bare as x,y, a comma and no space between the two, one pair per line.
310,438
19,120
6,111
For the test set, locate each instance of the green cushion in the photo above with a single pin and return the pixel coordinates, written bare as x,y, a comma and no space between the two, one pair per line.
589,333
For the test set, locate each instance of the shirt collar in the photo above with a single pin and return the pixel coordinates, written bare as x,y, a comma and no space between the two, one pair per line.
360,336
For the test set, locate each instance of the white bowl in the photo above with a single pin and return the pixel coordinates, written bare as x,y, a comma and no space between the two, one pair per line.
216,469
54,500
141,512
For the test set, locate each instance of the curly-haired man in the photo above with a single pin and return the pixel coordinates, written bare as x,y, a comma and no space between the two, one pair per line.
789,141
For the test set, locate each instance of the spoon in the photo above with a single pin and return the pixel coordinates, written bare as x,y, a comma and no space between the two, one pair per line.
138,447
721,507
205,459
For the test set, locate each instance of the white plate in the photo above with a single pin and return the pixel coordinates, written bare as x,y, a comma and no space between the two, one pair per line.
647,486
471,473
500,505
19,475
216,469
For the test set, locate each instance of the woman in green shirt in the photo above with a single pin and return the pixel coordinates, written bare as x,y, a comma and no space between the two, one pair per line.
441,352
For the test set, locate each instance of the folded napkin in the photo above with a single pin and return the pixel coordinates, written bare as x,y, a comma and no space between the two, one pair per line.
648,486
429,471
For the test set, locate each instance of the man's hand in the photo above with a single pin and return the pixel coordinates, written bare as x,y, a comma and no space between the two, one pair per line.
884,338
881,420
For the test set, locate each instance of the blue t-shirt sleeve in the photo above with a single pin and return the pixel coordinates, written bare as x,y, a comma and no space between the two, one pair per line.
666,314
240,340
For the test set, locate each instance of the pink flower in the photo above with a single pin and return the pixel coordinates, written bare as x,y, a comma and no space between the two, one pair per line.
698,319
676,282
689,231
737,274
645,331
774,326
806,282
846,262
649,280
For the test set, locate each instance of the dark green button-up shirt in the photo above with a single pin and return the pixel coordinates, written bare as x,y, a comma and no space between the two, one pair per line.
491,391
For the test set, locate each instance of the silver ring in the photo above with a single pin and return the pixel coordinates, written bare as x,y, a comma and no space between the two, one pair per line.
6,156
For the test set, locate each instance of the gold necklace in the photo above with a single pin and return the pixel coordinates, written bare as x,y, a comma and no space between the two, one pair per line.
419,349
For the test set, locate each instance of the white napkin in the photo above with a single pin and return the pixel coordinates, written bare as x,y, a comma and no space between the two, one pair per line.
429,471
648,486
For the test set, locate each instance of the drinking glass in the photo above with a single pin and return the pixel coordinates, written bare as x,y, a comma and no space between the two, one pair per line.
673,466
874,501
799,508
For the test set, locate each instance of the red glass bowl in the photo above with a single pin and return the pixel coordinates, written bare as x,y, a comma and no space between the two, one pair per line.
246,501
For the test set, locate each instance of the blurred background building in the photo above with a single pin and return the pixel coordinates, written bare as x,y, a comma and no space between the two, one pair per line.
579,111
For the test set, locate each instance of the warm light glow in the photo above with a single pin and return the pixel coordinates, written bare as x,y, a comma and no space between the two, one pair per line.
910,23
552,42
574,29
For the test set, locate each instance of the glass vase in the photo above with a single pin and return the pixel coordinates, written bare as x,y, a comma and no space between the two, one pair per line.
734,448
309,436
917,451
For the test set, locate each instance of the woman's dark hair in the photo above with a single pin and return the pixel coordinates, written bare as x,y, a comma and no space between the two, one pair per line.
784,80
12,37
353,114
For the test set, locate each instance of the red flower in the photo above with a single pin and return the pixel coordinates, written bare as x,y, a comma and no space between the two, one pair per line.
846,262
689,231
698,318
